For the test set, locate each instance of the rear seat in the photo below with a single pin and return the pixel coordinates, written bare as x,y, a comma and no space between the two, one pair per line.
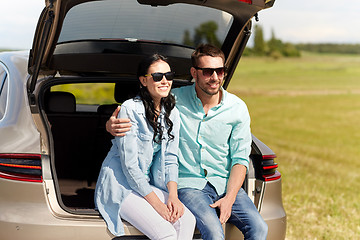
81,141
122,92
73,134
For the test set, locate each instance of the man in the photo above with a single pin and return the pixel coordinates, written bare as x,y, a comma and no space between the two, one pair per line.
214,148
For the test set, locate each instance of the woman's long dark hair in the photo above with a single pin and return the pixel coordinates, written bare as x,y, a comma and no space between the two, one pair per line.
167,102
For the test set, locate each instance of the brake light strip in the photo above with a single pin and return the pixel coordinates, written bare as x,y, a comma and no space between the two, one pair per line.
19,166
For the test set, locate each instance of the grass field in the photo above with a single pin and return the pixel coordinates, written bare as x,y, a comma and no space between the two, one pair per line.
308,111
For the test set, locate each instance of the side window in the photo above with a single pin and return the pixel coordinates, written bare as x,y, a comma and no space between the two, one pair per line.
3,89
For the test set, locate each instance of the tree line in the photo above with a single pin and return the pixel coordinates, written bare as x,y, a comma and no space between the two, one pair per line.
276,48
330,48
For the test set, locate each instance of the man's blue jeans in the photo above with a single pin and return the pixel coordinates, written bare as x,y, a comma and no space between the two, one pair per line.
244,214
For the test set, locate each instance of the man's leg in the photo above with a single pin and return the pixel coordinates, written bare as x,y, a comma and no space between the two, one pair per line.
198,201
246,217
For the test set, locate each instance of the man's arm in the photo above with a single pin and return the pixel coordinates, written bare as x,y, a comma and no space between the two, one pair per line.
118,126
240,148
236,179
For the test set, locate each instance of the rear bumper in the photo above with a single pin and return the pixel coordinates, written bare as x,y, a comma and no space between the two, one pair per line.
271,209
25,213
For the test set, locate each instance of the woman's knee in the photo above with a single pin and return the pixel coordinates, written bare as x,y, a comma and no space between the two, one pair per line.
188,218
164,231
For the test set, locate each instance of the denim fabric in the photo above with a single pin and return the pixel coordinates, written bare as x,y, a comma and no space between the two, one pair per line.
211,144
126,166
244,213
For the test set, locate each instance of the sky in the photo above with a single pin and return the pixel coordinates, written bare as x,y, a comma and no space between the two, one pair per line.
296,21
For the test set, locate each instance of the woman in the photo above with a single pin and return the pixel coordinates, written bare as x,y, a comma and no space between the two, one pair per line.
138,179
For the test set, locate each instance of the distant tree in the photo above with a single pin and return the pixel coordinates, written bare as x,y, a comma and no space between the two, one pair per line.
248,52
259,48
289,50
187,39
206,32
277,48
274,44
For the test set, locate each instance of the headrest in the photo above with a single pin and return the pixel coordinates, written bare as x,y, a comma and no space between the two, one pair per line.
125,90
61,102
107,109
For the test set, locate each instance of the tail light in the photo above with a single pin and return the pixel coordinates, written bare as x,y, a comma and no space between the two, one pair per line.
246,1
269,168
21,167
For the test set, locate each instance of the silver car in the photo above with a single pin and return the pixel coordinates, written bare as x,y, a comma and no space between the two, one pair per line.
56,98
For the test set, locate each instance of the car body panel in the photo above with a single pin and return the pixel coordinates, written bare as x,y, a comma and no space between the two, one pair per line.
26,200
272,209
17,115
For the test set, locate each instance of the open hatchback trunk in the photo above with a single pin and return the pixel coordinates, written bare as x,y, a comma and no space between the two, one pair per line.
83,64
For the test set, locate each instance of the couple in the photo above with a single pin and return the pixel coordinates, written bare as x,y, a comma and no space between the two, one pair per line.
195,154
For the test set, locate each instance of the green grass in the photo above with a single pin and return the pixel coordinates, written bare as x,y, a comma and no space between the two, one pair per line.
89,93
307,110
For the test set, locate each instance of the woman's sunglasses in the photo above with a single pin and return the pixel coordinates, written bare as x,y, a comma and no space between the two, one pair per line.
158,76
207,72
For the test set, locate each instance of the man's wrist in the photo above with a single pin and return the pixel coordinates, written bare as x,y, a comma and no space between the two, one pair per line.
230,197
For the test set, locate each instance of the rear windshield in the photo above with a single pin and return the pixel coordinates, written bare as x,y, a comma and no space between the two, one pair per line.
127,19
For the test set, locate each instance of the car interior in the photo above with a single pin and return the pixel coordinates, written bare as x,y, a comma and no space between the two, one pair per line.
80,141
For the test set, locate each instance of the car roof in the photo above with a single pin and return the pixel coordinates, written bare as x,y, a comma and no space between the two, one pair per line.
111,37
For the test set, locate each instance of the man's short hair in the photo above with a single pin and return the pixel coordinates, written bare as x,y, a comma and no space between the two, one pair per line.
206,50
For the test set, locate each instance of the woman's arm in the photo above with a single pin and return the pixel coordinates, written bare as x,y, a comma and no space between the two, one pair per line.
130,164
159,206
171,169
176,208
128,153
172,149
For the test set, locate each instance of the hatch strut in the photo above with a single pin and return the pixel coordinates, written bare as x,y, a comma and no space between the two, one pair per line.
43,41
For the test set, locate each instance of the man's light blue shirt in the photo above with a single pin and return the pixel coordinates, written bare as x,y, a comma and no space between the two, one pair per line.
211,144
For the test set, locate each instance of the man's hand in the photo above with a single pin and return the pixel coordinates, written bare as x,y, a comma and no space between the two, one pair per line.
118,126
236,179
175,207
225,205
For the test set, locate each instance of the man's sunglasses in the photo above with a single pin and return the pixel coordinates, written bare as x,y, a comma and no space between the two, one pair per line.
158,76
207,72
